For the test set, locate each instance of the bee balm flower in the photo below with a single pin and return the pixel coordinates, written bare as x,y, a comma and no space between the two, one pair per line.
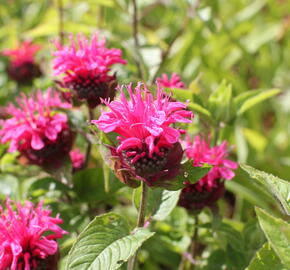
173,82
211,187
37,129
28,237
22,67
149,149
85,65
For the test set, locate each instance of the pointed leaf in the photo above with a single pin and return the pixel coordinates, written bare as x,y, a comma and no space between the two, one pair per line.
105,243
249,99
160,204
193,174
277,232
278,187
266,259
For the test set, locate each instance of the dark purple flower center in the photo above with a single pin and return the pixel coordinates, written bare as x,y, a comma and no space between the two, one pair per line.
24,73
146,166
91,88
53,153
194,198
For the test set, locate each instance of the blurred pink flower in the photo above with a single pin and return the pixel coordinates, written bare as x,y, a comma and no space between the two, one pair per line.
22,67
85,65
209,188
27,236
25,52
173,82
143,123
77,158
201,153
37,129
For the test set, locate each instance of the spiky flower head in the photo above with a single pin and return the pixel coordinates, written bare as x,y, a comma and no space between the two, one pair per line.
173,82
37,128
85,66
22,67
209,188
28,236
146,136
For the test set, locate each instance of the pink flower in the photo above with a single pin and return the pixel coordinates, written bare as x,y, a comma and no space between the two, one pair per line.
201,153
37,129
209,188
22,67
144,125
24,53
173,82
27,236
77,158
85,65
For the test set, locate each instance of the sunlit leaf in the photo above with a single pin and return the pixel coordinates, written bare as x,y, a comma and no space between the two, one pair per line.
106,243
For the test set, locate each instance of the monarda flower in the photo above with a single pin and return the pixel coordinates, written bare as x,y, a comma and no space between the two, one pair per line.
86,65
22,67
38,129
211,187
173,82
28,237
149,149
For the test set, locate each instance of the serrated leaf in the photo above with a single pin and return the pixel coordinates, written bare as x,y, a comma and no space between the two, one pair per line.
160,202
277,232
278,187
266,259
106,243
249,99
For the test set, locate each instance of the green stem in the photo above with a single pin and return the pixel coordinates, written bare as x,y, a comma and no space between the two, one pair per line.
140,223
60,20
186,263
89,145
135,22
194,242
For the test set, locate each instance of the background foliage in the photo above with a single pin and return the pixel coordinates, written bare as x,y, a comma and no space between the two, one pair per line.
234,46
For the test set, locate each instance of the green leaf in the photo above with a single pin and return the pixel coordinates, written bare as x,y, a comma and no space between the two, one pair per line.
230,236
193,174
277,232
278,187
89,185
160,204
180,94
199,109
247,100
221,102
106,243
266,259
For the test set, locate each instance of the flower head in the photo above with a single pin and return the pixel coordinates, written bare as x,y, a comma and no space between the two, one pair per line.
22,67
85,65
173,82
27,236
144,125
37,129
77,158
209,188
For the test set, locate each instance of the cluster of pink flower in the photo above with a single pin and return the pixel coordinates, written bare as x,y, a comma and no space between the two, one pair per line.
149,147
27,237
22,67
